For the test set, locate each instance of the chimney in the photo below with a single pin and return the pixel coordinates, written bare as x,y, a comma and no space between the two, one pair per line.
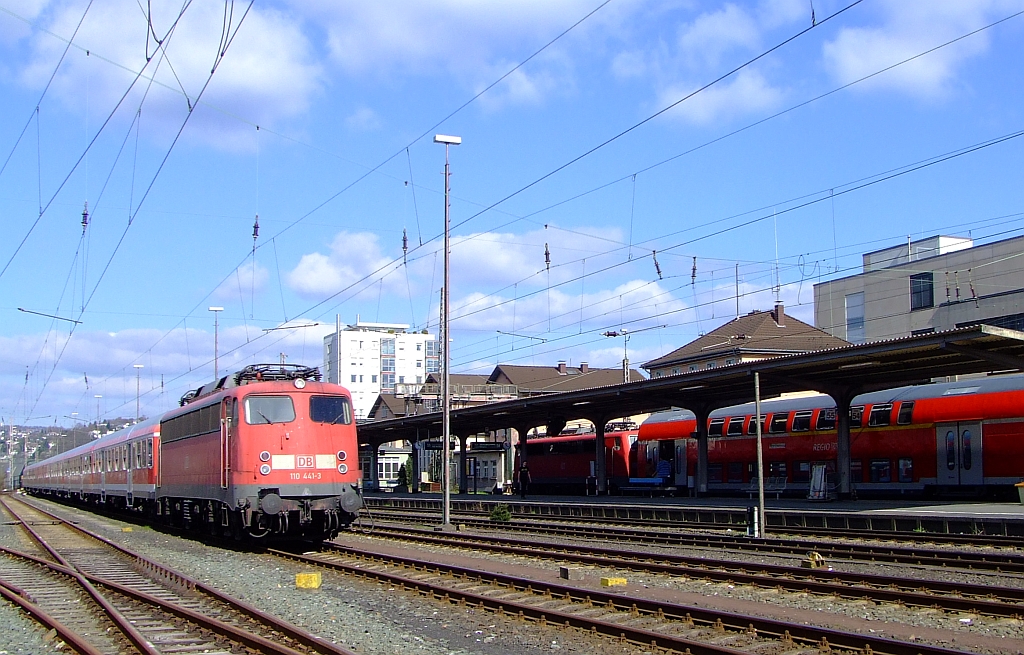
584,367
779,314
561,368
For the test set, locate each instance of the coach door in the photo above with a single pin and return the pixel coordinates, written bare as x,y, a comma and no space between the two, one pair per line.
959,454
680,464
129,471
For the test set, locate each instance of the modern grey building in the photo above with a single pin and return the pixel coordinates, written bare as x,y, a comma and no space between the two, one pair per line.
934,284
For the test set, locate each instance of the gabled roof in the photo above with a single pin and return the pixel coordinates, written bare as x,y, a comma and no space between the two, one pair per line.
387,405
546,379
757,334
458,378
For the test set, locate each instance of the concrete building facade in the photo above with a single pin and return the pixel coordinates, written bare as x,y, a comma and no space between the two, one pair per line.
372,358
925,286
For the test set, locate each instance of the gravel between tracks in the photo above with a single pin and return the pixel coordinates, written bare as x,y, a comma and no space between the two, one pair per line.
364,616
374,619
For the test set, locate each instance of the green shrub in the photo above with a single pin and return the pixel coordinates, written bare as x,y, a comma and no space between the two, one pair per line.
501,513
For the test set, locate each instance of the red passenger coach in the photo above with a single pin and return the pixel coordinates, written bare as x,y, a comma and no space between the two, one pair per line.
563,463
954,438
261,452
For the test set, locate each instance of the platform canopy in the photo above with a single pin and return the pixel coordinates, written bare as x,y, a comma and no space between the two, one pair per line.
845,371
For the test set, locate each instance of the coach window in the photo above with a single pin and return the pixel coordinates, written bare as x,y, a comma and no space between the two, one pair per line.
752,426
880,415
827,419
856,470
149,453
778,424
735,472
715,427
906,469
906,415
264,410
881,470
714,472
802,421
330,409
735,426
802,472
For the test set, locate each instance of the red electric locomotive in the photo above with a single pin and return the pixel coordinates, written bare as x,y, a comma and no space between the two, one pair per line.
563,463
940,439
262,452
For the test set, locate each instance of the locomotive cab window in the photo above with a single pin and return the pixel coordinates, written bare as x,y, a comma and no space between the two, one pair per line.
330,409
263,410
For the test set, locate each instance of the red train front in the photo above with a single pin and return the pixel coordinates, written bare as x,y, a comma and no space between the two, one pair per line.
269,450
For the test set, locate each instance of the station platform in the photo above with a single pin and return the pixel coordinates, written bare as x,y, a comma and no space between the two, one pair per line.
911,515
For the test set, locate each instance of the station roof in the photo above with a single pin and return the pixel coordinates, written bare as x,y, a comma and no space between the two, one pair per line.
846,370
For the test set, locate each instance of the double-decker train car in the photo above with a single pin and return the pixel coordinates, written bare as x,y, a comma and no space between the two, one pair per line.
263,452
941,439
564,463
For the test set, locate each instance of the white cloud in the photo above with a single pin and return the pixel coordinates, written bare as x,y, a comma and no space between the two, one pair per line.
906,29
268,74
351,256
704,41
746,92
363,119
244,282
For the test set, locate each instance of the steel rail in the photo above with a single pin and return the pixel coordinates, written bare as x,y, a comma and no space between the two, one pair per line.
979,599
788,633
997,562
23,599
304,637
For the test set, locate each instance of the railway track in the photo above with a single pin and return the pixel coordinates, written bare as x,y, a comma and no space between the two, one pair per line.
1005,561
978,599
102,598
653,624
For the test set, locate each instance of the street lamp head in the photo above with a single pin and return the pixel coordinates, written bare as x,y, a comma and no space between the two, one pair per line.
216,309
98,396
138,366
447,140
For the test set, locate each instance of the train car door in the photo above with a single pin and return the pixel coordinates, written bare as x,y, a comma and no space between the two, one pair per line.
226,428
129,471
959,454
680,464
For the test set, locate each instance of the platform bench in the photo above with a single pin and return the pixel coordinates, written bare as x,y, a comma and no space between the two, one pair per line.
648,486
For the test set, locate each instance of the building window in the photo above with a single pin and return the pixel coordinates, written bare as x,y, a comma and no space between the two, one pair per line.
855,317
711,365
353,378
401,379
419,379
921,291
675,371
387,346
419,364
433,366
373,379
360,378
387,381
419,346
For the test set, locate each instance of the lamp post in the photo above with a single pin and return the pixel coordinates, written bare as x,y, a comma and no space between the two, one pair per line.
448,141
138,373
216,327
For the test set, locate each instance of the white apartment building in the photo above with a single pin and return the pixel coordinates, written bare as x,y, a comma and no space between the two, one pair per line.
371,358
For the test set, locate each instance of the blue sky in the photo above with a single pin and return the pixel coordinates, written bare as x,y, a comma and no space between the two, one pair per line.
341,93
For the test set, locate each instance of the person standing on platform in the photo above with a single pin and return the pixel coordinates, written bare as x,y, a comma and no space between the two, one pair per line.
524,481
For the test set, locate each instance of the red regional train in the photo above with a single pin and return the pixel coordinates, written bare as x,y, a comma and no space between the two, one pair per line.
563,463
943,439
260,453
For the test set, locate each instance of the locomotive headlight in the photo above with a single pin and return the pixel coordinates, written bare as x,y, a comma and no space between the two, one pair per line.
343,468
265,469
300,383
342,455
265,456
